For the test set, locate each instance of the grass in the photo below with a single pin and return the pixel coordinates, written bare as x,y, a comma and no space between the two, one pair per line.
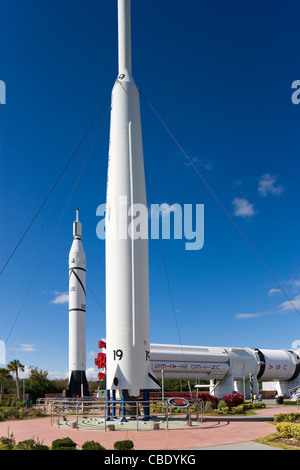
274,440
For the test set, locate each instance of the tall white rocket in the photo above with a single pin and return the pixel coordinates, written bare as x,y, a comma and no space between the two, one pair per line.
127,278
77,385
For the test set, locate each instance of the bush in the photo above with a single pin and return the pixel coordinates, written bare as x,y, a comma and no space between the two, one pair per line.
259,404
92,445
240,409
221,405
233,400
30,444
288,430
16,414
287,417
39,446
63,444
123,445
205,396
208,406
7,443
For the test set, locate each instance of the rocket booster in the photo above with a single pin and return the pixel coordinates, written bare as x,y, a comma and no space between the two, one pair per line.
77,310
127,278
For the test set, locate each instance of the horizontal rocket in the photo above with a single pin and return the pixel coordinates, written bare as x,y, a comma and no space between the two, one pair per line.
127,278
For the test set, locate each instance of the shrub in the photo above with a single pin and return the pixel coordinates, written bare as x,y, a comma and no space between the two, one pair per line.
288,430
16,414
259,404
63,444
240,409
221,405
23,414
30,444
187,396
205,396
92,445
233,400
7,443
287,417
123,445
39,446
208,406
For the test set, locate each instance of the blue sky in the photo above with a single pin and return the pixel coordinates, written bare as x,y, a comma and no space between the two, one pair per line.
220,76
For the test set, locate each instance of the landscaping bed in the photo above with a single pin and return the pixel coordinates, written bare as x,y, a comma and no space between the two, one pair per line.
287,434
66,443
13,413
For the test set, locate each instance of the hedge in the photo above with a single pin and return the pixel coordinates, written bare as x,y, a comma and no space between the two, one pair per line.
288,430
287,417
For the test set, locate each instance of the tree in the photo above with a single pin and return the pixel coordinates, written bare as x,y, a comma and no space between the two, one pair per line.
37,383
15,366
4,375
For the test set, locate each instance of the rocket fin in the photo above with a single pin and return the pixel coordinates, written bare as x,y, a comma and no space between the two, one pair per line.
153,382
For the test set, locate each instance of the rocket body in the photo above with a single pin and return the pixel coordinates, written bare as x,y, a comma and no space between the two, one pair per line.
127,278
77,312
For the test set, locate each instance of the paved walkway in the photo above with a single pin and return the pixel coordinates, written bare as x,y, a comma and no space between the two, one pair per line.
214,434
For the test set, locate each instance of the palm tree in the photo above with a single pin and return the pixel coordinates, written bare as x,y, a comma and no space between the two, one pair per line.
4,375
15,366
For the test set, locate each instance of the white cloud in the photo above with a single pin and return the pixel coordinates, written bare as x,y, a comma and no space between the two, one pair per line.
283,309
248,315
268,185
295,284
274,291
243,208
61,298
287,306
58,375
24,348
25,374
92,373
27,347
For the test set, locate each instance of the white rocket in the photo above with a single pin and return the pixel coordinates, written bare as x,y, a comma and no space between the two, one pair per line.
127,279
77,385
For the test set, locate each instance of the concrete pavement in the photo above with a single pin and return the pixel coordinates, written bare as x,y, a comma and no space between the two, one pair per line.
214,434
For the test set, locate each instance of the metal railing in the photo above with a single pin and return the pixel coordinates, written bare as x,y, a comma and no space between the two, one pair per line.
108,413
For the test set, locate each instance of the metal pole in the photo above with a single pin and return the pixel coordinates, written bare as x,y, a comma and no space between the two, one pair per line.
113,404
146,400
123,420
77,417
167,411
108,404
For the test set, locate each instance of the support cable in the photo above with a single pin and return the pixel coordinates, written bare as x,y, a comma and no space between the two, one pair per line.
168,280
55,230
44,313
53,187
218,201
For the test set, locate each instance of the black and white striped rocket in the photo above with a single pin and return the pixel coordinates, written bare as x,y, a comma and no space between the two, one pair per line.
78,385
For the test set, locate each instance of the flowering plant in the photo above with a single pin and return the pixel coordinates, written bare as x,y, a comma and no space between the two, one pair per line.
235,399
